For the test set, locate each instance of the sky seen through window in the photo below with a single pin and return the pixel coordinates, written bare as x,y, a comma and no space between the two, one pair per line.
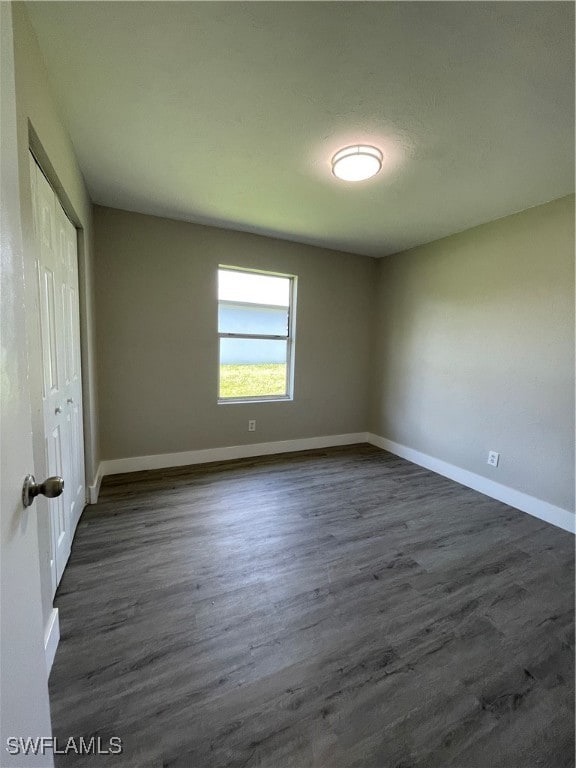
253,288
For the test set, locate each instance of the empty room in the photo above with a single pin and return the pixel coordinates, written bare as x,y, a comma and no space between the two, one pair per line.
287,392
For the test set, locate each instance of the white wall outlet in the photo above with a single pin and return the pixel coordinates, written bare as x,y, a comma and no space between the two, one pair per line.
493,458
252,425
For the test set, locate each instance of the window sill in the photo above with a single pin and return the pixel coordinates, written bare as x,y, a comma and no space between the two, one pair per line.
252,400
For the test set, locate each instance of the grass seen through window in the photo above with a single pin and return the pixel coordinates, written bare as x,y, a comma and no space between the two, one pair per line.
252,379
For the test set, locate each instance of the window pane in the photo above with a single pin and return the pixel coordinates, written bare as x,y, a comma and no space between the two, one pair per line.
236,317
253,288
252,368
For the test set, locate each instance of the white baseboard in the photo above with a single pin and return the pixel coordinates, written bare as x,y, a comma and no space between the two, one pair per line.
51,638
562,518
165,460
94,490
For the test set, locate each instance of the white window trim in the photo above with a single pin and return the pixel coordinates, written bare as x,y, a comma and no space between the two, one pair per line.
289,339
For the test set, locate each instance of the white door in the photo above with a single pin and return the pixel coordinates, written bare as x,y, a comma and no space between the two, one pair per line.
24,708
57,275
75,486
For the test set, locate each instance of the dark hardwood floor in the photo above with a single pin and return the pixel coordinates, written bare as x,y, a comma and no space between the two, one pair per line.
338,608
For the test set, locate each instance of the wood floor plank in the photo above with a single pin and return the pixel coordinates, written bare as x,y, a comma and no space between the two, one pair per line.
340,608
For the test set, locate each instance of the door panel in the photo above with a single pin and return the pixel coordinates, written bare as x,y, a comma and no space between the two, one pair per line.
49,268
49,332
77,485
58,511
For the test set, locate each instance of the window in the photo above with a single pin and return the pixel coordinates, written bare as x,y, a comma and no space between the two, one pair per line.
256,333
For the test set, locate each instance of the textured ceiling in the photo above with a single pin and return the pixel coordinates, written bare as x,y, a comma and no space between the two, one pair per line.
227,113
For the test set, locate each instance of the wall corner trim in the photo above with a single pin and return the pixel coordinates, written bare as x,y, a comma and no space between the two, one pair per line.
51,638
94,489
561,518
206,455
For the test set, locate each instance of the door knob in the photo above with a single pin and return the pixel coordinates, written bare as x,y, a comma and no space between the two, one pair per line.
51,487
70,400
57,410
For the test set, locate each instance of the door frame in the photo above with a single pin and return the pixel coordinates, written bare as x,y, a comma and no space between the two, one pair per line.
33,334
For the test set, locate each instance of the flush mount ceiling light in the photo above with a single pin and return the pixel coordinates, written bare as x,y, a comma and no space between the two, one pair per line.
357,163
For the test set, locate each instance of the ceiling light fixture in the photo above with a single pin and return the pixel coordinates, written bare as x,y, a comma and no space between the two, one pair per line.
357,163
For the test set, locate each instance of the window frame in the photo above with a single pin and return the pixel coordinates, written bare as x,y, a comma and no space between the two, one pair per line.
289,339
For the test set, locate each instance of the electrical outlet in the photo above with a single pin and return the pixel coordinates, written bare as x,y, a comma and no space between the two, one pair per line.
252,425
493,458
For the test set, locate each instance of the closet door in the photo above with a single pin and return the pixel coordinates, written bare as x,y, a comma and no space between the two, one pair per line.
72,376
57,274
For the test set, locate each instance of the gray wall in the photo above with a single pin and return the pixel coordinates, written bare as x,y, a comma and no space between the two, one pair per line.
157,342
474,350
